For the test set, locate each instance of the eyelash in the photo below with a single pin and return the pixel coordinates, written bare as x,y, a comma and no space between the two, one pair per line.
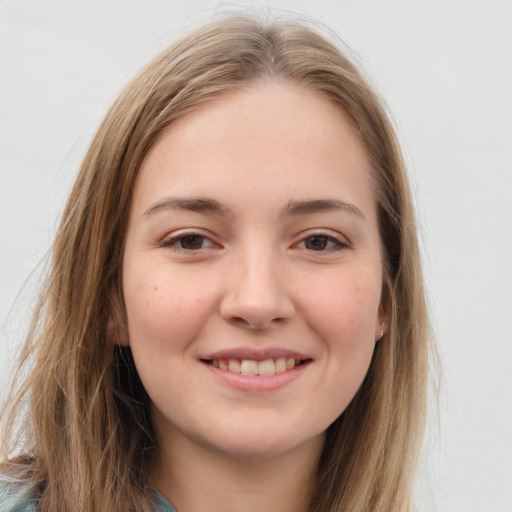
176,242
336,244
172,243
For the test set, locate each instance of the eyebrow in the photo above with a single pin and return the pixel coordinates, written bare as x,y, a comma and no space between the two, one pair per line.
309,206
195,204
293,208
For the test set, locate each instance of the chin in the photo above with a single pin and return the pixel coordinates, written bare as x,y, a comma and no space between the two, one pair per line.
264,443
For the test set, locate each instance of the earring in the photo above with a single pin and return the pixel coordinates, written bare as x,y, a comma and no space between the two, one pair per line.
381,333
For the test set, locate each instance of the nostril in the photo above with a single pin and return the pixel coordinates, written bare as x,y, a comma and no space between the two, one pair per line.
255,323
239,320
256,311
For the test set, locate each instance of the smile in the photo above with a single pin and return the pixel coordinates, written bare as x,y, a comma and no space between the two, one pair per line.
253,367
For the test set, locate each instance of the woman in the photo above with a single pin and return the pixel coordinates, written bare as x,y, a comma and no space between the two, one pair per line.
234,318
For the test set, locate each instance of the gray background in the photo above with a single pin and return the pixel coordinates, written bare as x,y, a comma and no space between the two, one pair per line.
445,68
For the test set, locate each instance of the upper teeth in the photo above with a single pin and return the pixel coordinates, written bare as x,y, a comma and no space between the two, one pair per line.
251,367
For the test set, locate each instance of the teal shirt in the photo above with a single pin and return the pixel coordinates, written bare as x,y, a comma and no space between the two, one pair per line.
161,504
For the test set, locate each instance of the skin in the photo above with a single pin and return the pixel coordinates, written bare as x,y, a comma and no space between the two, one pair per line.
253,274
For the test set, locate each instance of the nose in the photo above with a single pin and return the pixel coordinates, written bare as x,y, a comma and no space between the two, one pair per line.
257,295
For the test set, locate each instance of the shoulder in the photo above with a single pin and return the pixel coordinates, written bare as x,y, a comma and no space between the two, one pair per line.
162,505
15,498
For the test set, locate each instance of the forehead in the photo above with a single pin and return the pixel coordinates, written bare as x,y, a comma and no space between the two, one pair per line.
282,111
274,138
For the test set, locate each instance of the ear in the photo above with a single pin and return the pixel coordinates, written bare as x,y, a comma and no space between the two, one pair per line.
117,329
382,324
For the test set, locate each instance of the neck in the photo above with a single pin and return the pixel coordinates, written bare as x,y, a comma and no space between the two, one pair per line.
199,479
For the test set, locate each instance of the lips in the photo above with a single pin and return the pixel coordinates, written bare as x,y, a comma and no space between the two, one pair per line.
256,372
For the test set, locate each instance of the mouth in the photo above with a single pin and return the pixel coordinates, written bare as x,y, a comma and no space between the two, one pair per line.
253,367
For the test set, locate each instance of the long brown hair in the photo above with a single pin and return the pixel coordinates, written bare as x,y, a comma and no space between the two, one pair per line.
77,431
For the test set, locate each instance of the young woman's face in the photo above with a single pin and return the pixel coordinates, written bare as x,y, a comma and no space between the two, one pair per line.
252,272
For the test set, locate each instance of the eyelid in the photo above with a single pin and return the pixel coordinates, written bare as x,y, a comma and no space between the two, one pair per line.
340,240
174,237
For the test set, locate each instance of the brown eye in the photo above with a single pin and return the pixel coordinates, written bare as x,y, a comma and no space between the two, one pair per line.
188,243
316,243
320,243
191,242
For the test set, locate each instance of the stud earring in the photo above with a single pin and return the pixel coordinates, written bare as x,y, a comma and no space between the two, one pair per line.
381,333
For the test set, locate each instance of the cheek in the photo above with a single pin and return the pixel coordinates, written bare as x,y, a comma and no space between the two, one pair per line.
162,307
345,306
343,313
